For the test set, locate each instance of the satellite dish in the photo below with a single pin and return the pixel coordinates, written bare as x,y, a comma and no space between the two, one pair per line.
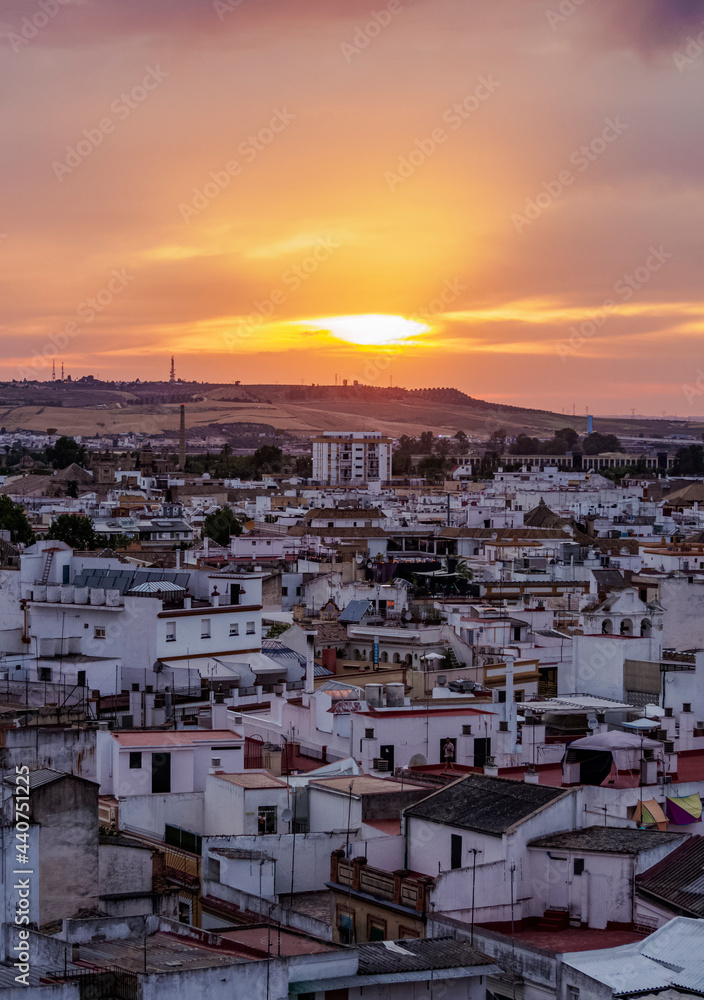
360,558
286,816
592,723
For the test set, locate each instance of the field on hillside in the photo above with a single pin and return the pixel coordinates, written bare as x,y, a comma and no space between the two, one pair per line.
295,409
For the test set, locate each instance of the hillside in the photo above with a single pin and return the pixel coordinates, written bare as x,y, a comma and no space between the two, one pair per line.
92,407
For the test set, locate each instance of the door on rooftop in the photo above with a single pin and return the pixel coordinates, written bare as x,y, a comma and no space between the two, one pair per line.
598,900
482,750
387,753
455,850
161,773
559,889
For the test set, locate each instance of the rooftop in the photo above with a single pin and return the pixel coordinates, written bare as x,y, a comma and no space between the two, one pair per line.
173,737
678,880
252,780
417,954
260,941
484,803
607,840
164,952
364,784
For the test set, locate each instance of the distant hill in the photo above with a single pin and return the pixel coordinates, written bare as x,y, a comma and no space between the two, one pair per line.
92,407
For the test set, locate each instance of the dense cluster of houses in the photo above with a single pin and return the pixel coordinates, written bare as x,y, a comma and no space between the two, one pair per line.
390,741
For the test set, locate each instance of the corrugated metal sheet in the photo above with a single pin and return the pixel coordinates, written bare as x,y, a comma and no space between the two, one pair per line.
42,776
347,982
671,956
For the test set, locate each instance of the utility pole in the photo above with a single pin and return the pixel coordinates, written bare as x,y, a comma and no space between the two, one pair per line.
474,851
513,936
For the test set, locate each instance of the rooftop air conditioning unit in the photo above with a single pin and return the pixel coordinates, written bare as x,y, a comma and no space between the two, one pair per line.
379,764
369,734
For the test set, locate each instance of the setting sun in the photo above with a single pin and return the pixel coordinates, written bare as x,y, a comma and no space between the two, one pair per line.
374,330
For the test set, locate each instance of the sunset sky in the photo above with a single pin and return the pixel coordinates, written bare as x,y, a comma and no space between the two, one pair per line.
499,195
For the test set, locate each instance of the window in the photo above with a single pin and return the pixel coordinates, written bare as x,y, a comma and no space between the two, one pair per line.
578,866
251,628
572,993
299,591
205,628
135,760
502,697
345,926
99,632
45,673
376,929
266,819
284,591
171,631
455,851
234,629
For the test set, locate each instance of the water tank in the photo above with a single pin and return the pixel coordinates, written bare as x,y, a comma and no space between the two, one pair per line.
395,694
97,595
39,592
74,645
372,694
67,594
112,598
53,594
81,595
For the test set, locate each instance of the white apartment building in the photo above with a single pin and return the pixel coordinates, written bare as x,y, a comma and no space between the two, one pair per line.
350,458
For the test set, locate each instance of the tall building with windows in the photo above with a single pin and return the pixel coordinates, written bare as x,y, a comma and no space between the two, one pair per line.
350,458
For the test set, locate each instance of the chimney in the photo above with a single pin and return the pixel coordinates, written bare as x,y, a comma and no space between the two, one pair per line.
182,440
218,710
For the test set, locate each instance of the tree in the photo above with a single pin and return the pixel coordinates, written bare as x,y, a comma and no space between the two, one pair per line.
276,629
524,445
75,530
443,447
72,489
426,442
497,441
462,442
569,435
402,460
14,519
268,458
118,541
432,468
689,461
221,525
596,443
303,466
65,452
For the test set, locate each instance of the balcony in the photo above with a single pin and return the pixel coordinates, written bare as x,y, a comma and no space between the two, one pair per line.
402,887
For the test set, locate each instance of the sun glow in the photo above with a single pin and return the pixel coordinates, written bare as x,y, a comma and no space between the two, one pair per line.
373,330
